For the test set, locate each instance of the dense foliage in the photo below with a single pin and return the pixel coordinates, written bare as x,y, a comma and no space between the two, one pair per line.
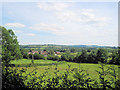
10,46
10,51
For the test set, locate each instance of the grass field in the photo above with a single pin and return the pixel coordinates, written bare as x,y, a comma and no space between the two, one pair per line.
43,65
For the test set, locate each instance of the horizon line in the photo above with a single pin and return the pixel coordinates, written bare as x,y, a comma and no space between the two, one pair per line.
74,44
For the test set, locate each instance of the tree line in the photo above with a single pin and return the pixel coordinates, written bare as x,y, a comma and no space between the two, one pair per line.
85,56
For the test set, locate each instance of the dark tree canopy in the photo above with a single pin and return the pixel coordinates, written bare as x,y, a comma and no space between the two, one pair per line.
73,50
83,56
102,55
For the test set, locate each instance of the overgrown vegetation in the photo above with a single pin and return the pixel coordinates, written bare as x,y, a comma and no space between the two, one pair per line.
108,77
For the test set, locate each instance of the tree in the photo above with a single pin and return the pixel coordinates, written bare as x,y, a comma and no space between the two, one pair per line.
73,50
10,46
71,58
45,50
114,57
51,52
36,56
118,61
104,83
24,53
91,57
76,58
50,57
57,58
65,56
32,56
10,51
83,56
41,56
102,55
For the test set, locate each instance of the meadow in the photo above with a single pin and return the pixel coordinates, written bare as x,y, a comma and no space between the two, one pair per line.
49,66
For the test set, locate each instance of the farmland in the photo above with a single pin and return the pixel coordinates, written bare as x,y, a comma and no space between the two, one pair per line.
43,65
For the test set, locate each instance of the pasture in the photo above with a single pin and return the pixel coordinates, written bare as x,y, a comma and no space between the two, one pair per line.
49,66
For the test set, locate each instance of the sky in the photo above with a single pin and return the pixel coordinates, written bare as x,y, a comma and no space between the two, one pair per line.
64,23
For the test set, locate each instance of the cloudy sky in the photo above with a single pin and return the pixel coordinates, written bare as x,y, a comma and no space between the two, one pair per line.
74,23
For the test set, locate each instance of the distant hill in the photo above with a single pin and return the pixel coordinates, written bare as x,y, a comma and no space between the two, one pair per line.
89,46
63,46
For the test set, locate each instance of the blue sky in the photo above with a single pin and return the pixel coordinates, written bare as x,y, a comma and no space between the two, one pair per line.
74,23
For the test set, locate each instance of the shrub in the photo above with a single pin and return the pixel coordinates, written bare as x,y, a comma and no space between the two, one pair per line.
36,56
30,56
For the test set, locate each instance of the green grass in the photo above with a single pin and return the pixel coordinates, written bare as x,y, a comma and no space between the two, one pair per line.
42,65
26,62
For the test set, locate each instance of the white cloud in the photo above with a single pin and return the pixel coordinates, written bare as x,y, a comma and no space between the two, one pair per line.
85,16
88,10
65,14
52,28
52,6
30,34
19,25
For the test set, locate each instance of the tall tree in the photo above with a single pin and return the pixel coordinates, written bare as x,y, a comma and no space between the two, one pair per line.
83,56
114,57
118,62
102,55
51,52
91,57
10,51
10,46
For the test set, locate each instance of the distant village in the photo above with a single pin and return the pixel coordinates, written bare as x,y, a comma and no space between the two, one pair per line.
45,53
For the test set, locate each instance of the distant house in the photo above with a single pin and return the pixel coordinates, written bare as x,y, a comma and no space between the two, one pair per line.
29,52
33,52
57,52
43,52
